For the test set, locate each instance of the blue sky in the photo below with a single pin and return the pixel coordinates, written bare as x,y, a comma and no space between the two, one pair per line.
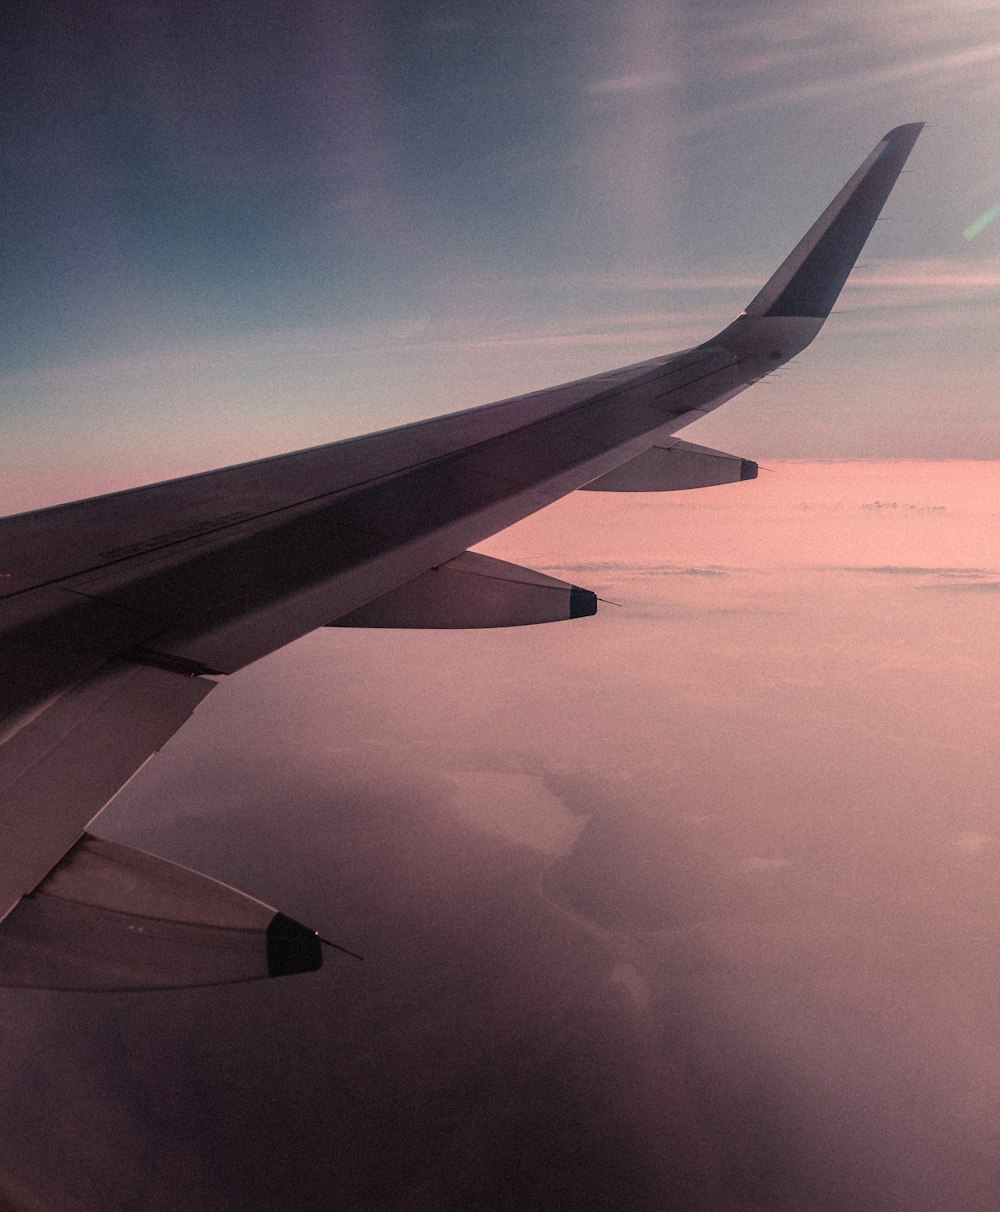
230,232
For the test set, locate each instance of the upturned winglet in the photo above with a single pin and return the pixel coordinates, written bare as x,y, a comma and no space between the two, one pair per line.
809,280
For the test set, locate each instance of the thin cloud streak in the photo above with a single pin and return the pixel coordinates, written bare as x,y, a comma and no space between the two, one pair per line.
908,571
930,70
272,348
967,587
953,273
635,82
798,35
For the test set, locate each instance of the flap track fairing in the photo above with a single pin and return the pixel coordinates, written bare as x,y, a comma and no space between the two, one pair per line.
475,590
111,917
677,466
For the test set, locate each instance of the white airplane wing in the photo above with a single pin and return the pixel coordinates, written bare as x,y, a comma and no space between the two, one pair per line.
119,613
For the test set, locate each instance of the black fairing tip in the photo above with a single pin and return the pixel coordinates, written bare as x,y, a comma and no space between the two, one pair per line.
748,469
291,947
581,602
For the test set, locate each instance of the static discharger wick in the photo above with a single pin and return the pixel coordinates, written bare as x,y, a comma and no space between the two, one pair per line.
336,947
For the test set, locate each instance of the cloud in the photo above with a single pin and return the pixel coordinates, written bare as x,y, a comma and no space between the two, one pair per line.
638,568
911,281
923,283
755,863
634,82
949,580
969,587
878,506
971,842
910,570
315,347
970,292
515,806
645,281
932,69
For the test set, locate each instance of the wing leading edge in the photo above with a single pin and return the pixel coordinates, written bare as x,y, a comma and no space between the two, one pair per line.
117,612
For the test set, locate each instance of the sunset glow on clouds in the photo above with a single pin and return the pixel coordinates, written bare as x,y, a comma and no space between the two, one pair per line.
722,857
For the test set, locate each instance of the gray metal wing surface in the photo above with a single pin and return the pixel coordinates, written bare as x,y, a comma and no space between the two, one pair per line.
117,613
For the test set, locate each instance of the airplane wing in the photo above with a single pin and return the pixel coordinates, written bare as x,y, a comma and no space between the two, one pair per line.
119,613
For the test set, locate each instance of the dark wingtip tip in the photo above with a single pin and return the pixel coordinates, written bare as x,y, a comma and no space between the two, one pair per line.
748,469
907,132
582,602
292,947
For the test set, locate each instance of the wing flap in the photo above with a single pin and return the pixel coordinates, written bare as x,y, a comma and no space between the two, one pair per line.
61,768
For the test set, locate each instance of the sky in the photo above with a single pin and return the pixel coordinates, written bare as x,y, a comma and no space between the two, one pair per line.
689,905
229,233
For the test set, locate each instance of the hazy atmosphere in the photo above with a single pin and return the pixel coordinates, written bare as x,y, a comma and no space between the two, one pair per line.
691,905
